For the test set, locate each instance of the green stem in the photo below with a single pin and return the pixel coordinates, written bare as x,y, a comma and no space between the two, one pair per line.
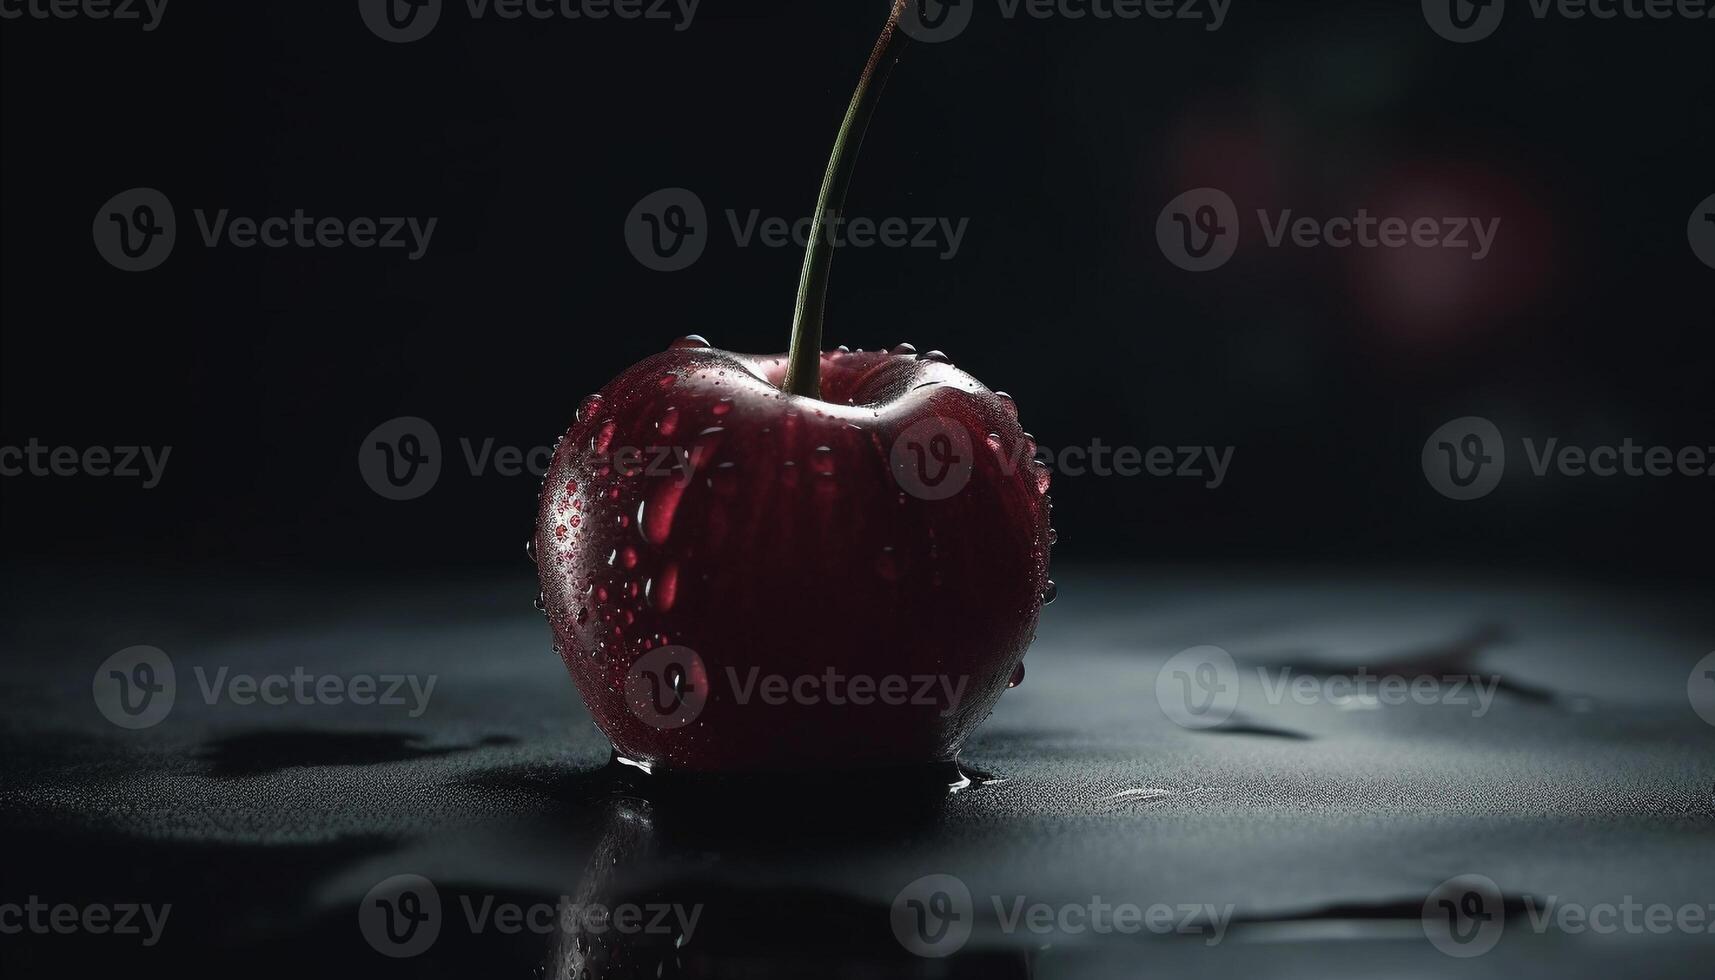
804,363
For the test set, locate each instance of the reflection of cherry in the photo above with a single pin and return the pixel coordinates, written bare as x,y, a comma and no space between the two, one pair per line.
785,545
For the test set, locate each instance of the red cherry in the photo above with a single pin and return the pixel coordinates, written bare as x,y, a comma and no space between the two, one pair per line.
904,547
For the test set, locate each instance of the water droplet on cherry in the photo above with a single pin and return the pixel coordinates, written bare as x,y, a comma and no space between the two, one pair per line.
669,422
603,437
1017,676
689,341
935,356
1050,592
1039,470
904,349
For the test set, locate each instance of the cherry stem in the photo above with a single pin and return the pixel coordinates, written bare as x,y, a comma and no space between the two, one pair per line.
804,363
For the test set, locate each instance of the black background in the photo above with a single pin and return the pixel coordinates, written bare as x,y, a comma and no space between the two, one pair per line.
1060,140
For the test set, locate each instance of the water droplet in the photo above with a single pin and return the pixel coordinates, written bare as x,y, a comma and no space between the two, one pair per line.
1053,536
583,615
822,461
603,437
842,349
590,406
541,603
655,517
669,422
935,356
1039,469
904,349
1050,592
1017,676
628,557
666,588
623,520
559,532
601,593
887,564
530,549
689,341
721,407
994,441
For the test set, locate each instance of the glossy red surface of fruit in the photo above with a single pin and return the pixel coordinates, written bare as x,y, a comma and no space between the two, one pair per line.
896,528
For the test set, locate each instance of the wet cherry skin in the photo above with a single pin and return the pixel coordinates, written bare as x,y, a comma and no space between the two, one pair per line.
693,504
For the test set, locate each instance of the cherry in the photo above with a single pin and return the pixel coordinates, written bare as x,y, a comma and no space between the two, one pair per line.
799,561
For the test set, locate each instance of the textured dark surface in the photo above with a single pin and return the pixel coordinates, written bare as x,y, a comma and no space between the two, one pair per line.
1326,826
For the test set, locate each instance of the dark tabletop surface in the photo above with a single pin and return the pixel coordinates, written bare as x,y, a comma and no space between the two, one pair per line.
1307,834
